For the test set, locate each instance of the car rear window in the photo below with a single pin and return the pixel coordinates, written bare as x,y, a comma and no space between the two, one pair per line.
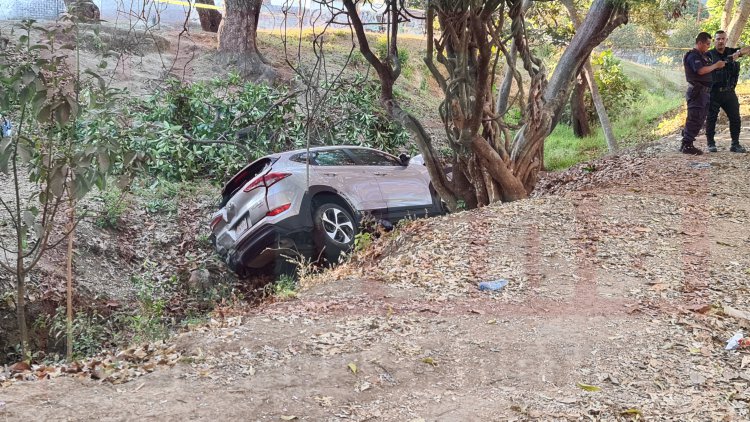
243,176
368,157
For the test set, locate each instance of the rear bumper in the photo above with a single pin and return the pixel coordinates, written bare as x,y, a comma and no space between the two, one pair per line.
252,250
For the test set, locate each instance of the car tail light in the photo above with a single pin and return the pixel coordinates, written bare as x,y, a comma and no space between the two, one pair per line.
267,180
216,220
279,210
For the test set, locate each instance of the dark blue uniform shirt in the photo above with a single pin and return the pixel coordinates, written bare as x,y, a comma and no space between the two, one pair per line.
727,76
693,61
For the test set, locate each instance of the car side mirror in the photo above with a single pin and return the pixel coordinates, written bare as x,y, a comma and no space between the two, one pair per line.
404,159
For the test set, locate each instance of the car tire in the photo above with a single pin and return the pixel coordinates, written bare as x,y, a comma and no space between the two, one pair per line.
334,231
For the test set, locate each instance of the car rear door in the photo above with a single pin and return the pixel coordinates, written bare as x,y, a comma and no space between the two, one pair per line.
337,169
402,187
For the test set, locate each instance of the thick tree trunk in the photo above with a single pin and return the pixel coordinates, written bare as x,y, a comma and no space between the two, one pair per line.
737,24
237,37
726,14
546,102
83,10
579,117
210,18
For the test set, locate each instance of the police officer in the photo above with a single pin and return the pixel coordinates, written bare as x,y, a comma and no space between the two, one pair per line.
722,92
698,70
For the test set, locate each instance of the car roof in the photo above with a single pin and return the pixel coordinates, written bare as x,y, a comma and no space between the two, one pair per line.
324,148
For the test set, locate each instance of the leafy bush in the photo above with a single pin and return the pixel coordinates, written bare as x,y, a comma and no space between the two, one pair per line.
175,127
381,49
92,331
113,207
617,90
150,321
352,115
174,124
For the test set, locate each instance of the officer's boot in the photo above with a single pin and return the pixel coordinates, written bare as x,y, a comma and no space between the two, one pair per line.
688,148
711,145
736,147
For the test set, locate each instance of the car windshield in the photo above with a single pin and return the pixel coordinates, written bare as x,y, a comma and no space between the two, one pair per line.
368,157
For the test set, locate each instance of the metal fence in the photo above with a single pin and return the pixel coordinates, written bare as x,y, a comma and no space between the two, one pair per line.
31,9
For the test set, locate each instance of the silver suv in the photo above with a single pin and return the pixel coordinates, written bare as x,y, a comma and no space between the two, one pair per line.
280,203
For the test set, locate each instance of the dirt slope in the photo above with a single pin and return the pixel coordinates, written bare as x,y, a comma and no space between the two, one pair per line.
612,271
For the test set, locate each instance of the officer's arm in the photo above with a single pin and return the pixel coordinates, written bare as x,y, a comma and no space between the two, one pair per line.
708,69
744,51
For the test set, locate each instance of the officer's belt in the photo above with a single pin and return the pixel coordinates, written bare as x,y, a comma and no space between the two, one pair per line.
723,88
698,87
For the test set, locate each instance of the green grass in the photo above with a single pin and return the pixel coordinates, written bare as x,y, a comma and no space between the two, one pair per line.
661,92
641,124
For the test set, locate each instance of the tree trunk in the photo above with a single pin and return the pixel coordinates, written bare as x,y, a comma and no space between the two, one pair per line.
737,24
579,117
69,276
477,136
501,105
21,307
601,111
83,10
237,37
726,14
596,98
545,103
210,18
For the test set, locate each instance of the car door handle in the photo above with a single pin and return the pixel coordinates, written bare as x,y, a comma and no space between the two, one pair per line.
329,174
380,174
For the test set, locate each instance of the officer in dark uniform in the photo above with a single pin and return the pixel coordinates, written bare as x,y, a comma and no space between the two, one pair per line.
698,70
722,92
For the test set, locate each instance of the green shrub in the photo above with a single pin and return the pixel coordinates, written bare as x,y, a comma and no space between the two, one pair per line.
165,126
92,331
618,91
114,206
381,49
352,115
150,321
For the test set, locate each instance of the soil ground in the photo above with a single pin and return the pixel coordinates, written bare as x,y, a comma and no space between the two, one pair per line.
618,275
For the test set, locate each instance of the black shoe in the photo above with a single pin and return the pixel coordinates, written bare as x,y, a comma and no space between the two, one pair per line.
737,148
712,147
690,149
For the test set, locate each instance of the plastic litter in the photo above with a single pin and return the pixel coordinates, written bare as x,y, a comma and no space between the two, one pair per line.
738,341
493,285
700,165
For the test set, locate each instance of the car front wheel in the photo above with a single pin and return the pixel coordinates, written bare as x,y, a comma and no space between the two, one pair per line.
335,229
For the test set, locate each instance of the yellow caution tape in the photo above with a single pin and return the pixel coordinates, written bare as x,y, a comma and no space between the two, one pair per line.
191,4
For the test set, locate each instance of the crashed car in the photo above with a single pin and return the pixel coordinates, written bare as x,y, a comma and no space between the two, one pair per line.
280,203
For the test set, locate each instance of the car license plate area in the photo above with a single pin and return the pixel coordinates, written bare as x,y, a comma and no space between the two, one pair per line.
242,226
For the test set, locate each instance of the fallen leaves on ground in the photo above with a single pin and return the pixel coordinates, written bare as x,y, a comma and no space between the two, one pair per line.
115,368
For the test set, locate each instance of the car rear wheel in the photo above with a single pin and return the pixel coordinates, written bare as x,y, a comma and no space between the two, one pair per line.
335,230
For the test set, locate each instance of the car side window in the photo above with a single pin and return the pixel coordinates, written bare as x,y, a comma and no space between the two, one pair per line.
374,158
335,157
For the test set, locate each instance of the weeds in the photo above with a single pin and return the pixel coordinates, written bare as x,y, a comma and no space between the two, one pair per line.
92,331
285,287
114,206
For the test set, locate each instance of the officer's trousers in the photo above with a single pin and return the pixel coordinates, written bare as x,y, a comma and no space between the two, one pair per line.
728,102
697,109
